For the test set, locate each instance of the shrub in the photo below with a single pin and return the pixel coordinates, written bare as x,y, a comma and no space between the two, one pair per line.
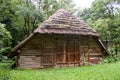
113,57
5,40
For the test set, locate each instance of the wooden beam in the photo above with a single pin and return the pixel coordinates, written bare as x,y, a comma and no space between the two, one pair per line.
79,50
55,62
16,61
74,51
41,49
64,51
89,50
67,52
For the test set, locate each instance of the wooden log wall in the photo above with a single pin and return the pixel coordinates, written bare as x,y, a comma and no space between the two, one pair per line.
59,51
30,53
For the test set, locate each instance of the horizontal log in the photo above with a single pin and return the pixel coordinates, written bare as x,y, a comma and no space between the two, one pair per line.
45,64
95,55
29,64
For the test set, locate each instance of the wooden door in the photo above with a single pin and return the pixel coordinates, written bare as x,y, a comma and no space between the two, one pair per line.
60,50
67,51
48,51
73,51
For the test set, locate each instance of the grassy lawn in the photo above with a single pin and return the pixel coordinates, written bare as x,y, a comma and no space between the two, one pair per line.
107,71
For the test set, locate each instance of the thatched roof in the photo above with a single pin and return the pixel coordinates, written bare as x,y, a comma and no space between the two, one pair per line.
61,22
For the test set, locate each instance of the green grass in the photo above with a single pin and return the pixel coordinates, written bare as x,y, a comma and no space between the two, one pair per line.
107,71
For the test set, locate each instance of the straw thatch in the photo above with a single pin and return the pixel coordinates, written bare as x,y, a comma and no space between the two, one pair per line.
63,22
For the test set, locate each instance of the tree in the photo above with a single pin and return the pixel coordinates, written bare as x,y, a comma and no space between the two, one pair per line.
9,18
50,6
5,40
67,5
29,17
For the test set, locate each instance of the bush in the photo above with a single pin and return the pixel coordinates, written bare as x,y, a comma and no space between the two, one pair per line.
5,40
4,51
113,57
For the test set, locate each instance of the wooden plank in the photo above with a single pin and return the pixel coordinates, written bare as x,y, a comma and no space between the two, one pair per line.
64,51
79,50
74,52
68,55
55,62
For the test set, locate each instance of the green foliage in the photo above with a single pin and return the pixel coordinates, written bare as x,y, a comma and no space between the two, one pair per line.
8,17
29,16
5,40
67,5
112,55
50,6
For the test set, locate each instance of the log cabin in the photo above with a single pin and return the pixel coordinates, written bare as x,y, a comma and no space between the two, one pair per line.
62,40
